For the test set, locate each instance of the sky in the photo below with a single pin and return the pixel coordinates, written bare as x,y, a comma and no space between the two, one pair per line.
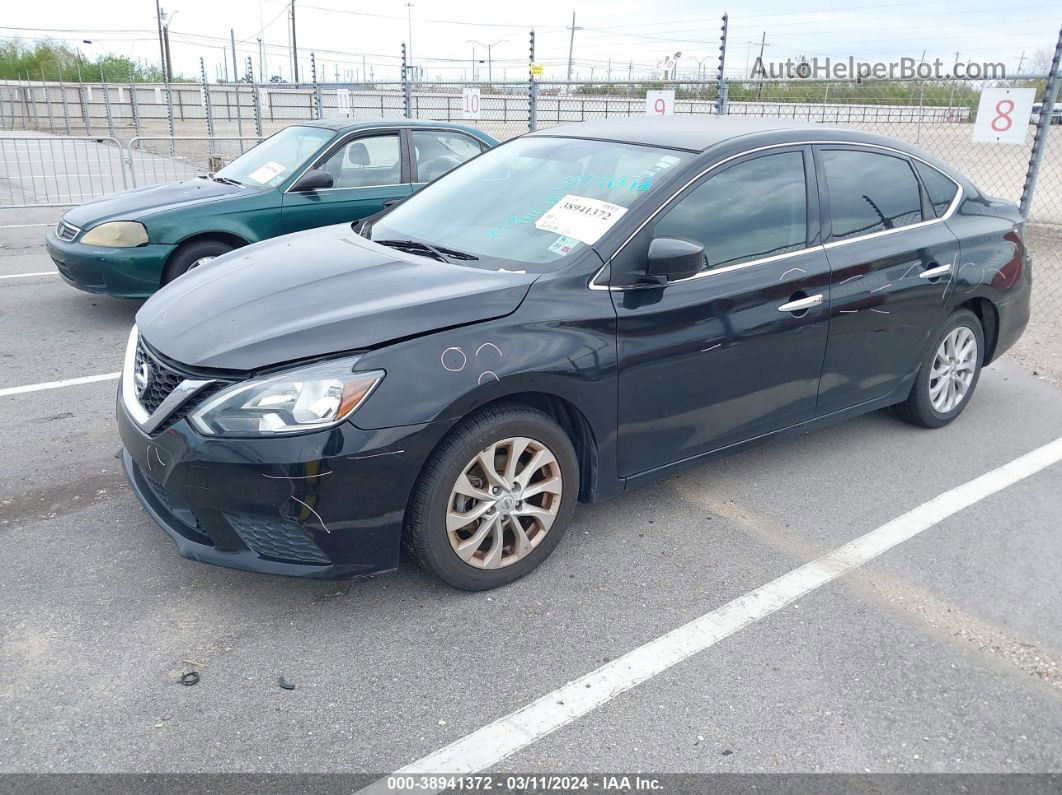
614,38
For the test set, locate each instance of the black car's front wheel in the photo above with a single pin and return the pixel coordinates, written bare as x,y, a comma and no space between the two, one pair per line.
949,374
191,255
494,499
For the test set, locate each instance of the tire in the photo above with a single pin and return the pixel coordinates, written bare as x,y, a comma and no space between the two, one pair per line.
189,255
926,406
435,499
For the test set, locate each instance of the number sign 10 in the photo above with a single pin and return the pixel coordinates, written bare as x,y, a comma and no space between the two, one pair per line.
471,103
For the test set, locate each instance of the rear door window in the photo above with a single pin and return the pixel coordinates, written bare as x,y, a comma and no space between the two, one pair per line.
438,151
941,189
870,192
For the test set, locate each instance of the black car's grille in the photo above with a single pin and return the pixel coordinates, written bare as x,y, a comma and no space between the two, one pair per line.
161,380
65,231
276,539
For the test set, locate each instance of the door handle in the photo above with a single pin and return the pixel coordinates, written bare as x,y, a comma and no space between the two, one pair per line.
390,203
935,273
801,304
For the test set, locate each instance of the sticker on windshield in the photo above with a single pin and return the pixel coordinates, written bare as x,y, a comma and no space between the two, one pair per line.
667,161
563,245
580,217
263,174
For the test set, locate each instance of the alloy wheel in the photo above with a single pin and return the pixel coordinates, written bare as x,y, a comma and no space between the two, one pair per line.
504,502
953,369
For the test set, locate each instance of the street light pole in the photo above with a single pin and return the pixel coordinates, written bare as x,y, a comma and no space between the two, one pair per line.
491,46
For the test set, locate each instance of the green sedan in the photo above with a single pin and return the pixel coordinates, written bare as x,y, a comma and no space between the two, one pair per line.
131,243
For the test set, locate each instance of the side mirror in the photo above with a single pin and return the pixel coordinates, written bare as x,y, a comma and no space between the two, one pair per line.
314,179
672,258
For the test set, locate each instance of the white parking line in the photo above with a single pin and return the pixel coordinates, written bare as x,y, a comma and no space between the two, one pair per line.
88,379
22,275
493,743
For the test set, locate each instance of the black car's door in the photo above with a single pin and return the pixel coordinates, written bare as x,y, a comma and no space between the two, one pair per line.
717,358
891,259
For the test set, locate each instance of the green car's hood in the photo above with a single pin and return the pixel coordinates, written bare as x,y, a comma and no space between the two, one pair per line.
139,202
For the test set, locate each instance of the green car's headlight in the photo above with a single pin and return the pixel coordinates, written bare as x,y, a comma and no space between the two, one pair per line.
116,234
306,399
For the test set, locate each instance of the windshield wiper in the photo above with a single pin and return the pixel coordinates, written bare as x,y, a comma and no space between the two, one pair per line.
228,180
440,253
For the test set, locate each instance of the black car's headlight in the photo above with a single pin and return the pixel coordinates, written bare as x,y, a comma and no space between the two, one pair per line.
306,399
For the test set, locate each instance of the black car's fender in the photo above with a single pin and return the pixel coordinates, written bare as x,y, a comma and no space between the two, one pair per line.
557,350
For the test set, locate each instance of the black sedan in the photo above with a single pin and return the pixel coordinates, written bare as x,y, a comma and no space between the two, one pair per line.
561,319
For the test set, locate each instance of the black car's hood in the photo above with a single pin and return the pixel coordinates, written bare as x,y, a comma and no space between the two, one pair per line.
314,293
138,202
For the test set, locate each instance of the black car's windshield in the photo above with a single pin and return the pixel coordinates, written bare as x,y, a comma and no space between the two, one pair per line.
273,160
531,202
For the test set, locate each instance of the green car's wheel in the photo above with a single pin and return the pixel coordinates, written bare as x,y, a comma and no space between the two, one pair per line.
192,255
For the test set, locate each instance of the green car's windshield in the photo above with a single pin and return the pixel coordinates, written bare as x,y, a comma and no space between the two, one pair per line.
532,202
273,160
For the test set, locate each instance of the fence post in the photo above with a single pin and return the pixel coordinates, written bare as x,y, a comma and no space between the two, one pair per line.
316,112
47,103
532,89
107,103
721,99
1042,129
406,94
84,108
204,86
169,116
134,107
255,100
66,109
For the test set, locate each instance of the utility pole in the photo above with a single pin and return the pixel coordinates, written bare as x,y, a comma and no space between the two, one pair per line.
294,48
261,63
169,61
162,45
571,45
763,43
235,71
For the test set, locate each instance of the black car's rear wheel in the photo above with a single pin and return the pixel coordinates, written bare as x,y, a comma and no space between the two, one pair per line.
494,499
949,374
191,255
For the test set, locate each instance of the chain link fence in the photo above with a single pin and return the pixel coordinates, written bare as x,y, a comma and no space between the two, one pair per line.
70,150
935,116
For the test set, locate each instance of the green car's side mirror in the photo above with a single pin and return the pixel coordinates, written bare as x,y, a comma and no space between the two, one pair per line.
314,179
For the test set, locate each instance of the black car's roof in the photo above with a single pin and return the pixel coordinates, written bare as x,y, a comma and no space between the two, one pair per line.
351,124
693,133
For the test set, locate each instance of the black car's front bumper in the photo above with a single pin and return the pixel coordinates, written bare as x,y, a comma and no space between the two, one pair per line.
327,504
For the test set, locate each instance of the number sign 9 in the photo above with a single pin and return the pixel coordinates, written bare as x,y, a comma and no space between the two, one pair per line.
659,103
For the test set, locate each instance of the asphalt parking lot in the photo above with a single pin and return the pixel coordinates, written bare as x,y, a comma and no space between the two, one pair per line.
941,654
